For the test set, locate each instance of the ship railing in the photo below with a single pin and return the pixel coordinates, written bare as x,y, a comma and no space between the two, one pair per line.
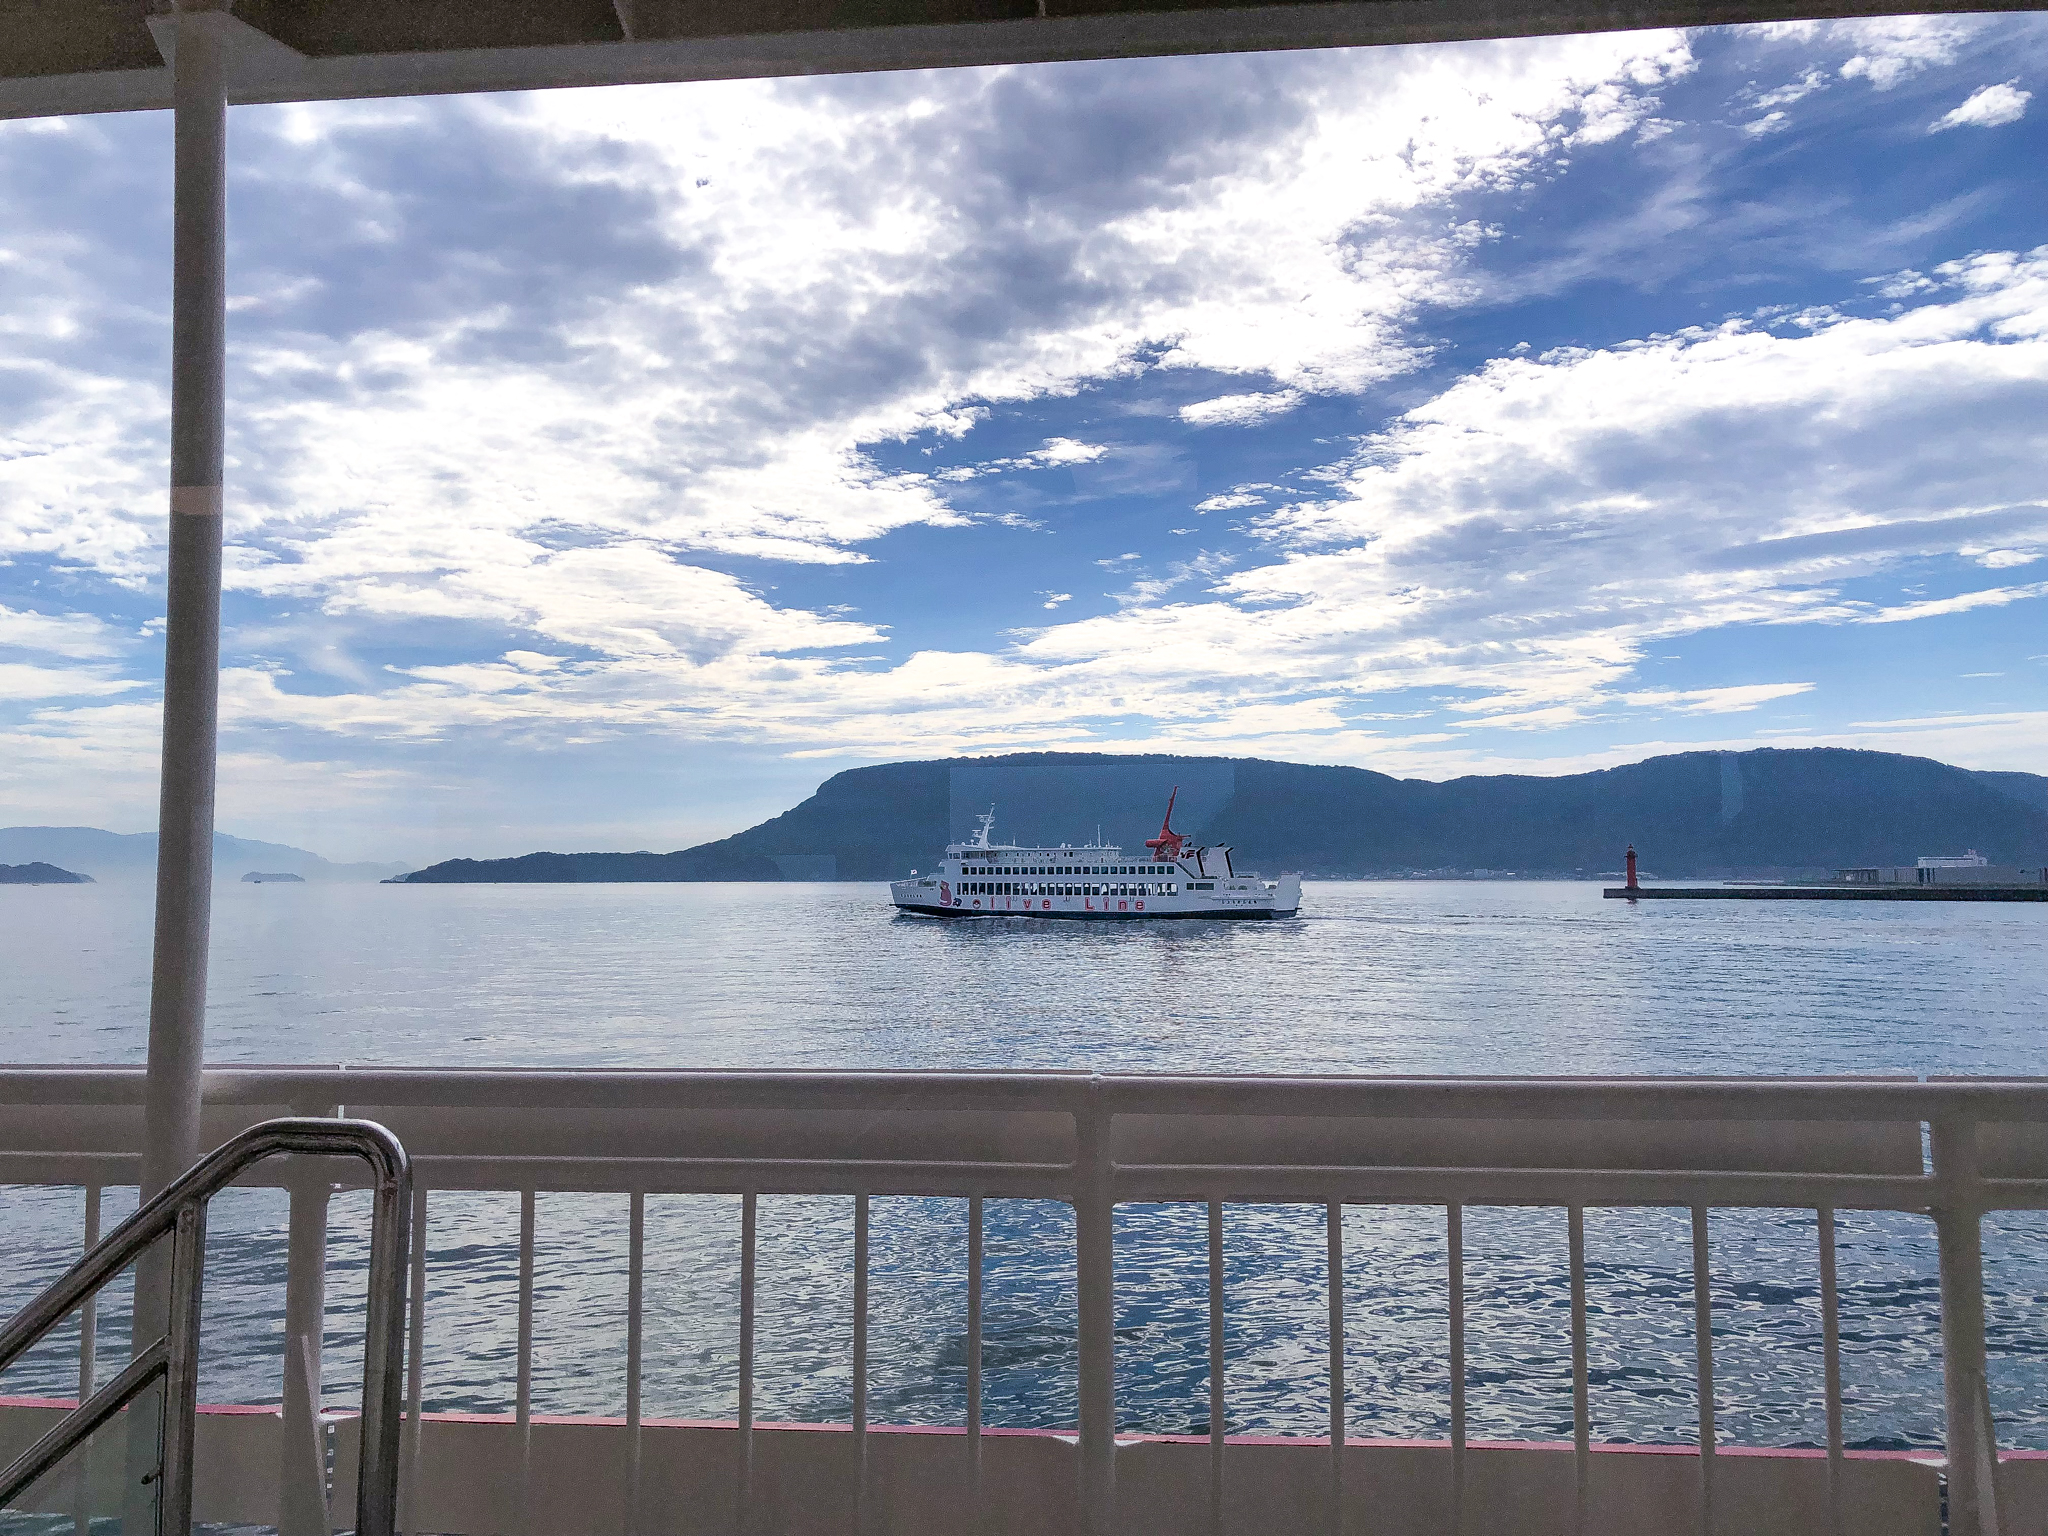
1951,1150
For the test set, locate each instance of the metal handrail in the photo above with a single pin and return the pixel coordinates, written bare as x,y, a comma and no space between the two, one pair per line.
174,1357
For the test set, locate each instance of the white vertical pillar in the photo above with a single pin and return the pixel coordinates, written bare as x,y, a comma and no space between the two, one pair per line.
184,871
184,861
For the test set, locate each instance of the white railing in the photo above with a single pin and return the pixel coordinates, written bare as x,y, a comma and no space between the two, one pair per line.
1950,1149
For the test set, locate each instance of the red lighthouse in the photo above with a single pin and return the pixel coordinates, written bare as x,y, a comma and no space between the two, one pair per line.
1632,867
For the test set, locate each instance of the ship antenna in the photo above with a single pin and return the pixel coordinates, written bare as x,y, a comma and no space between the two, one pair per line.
983,826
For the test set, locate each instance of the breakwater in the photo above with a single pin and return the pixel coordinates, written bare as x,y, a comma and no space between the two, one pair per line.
1826,893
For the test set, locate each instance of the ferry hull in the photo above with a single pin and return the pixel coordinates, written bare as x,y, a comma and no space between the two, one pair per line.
1237,899
1237,915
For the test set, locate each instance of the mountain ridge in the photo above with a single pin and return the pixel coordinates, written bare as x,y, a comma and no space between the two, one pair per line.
1709,814
132,855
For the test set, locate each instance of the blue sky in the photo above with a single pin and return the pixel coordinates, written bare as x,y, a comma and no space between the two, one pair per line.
608,467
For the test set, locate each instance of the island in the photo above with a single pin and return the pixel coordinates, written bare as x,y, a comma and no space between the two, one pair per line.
1770,814
40,874
260,877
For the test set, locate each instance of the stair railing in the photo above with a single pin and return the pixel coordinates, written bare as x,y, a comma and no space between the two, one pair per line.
180,1210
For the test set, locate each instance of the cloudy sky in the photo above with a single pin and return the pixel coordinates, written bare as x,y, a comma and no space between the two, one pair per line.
608,467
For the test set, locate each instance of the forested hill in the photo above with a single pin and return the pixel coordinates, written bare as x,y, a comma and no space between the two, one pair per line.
1694,813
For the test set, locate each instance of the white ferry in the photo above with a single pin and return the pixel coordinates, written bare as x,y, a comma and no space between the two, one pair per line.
1094,881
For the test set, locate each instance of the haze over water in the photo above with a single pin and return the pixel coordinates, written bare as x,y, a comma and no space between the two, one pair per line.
1399,977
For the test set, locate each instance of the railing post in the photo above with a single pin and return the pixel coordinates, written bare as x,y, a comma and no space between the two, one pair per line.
1217,1406
1333,1241
975,1215
1831,1364
861,1511
415,1362
1972,1440
636,1287
1703,1364
181,1378
1582,1411
522,1404
1454,1263
302,1474
1095,1262
88,1369
743,1493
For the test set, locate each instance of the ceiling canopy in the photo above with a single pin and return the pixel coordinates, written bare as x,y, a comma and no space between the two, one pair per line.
66,56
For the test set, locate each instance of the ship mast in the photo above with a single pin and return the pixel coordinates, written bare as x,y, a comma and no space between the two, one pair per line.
1169,845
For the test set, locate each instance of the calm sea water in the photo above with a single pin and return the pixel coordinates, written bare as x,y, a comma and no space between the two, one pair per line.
1401,977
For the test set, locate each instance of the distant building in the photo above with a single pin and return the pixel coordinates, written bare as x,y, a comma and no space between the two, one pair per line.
1970,868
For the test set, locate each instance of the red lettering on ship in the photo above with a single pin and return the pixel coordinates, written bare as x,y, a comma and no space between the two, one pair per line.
1141,906
1123,906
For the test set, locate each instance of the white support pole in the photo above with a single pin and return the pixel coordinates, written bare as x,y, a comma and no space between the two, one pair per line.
184,869
184,862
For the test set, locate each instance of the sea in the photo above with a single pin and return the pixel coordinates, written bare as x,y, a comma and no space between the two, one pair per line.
1485,977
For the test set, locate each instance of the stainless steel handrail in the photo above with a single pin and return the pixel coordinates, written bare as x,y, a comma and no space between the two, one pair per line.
180,1210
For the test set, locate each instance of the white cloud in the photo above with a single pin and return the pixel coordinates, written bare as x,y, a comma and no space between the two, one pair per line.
1991,107
459,428
1714,701
1895,48
1240,410
1527,534
74,636
21,681
1514,547
1962,602
1808,82
1064,450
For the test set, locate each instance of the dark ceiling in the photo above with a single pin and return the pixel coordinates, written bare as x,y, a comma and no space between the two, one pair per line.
99,55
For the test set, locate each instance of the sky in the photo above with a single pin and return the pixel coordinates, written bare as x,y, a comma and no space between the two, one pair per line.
606,468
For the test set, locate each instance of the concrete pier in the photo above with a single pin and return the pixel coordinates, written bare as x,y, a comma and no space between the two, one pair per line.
1827,893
